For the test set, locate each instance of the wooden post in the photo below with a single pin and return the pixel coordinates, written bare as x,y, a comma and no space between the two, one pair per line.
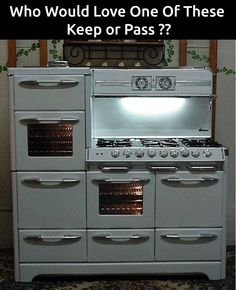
43,52
213,66
11,53
182,52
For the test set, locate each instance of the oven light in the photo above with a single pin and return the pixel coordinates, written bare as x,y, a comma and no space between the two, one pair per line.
152,106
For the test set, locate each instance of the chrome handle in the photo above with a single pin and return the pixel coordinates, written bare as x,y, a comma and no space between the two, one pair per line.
196,236
203,179
47,83
51,120
51,238
38,180
115,168
111,180
202,167
109,237
164,168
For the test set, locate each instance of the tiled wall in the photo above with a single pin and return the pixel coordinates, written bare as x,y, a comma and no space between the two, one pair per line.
225,129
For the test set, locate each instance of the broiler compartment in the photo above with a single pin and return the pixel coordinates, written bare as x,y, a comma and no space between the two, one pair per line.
122,245
49,92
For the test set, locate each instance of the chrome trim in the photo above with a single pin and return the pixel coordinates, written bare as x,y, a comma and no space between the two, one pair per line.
203,179
51,238
109,237
114,168
52,120
195,236
38,180
111,180
164,168
48,82
202,167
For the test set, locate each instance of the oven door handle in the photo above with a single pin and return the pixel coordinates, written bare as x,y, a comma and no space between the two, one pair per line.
195,236
164,168
51,181
111,180
48,83
129,237
50,120
203,179
42,238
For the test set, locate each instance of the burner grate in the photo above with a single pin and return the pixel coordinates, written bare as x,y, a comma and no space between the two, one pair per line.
114,142
159,143
200,143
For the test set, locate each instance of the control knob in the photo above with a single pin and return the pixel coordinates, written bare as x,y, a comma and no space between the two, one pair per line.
163,153
207,153
184,152
127,153
139,153
151,153
115,153
195,153
174,153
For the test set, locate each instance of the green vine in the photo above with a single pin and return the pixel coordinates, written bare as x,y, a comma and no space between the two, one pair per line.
3,68
26,52
54,50
170,53
198,57
226,71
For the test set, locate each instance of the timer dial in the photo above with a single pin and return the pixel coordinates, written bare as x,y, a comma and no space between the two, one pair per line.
141,83
165,83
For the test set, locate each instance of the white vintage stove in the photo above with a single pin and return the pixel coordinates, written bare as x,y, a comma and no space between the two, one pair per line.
114,172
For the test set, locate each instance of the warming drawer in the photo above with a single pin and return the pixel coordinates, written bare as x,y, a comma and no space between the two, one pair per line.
50,140
202,244
120,245
51,200
52,246
48,92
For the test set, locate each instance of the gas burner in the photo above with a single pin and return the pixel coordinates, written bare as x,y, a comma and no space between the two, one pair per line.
113,142
159,143
200,143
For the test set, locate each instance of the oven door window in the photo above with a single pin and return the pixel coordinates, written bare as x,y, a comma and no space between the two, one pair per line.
121,198
50,139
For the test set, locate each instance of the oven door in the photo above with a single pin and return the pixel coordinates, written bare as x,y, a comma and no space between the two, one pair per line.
50,140
186,199
120,200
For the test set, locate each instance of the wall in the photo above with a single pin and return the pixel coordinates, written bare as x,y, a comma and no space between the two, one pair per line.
225,122
225,129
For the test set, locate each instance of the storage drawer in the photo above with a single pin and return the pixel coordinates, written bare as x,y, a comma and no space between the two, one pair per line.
52,246
48,92
51,200
188,244
120,245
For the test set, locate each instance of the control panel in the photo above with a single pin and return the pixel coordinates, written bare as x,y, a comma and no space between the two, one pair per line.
147,83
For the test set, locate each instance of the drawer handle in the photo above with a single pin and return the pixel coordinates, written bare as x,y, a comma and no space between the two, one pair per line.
35,238
46,83
110,180
115,168
132,237
51,120
196,236
62,181
203,179
164,168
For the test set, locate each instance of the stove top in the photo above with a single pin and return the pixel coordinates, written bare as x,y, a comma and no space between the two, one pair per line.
156,142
